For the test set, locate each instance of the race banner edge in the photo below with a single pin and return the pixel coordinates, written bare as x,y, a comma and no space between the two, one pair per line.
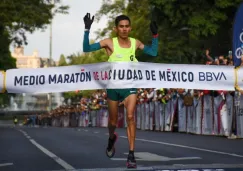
4,81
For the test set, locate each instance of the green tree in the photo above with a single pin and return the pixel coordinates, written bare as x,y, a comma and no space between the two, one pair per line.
18,17
62,61
21,16
193,26
186,28
87,58
110,9
6,61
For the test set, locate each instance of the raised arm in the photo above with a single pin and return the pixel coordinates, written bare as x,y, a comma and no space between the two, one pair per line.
150,49
87,47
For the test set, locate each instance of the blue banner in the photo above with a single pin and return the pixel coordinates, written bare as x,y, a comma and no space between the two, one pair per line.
238,36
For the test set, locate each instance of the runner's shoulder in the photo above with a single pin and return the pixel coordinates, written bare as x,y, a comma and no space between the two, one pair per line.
106,42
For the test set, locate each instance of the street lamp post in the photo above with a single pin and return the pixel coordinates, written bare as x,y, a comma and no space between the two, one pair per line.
50,60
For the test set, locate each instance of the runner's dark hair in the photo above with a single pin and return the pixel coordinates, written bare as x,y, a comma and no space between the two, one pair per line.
120,18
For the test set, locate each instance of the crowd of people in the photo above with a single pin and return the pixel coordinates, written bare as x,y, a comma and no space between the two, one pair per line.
98,100
220,60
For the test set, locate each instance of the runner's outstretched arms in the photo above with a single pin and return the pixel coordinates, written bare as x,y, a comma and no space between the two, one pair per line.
150,50
86,46
153,49
89,47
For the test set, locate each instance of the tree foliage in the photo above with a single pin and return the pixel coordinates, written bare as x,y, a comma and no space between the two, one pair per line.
18,17
6,61
87,58
186,27
110,9
62,61
208,24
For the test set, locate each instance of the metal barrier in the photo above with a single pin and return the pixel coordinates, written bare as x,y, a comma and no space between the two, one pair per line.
208,115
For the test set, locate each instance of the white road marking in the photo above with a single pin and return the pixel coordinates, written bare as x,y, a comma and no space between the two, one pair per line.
61,162
86,130
6,164
106,133
141,168
25,134
23,131
162,168
28,137
64,164
145,156
189,147
96,132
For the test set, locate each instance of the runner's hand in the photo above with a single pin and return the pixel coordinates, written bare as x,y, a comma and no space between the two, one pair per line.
87,21
154,27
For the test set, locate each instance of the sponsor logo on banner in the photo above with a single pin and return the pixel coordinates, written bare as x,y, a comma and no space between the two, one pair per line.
119,75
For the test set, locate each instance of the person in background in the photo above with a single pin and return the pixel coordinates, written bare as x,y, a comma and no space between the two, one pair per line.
15,120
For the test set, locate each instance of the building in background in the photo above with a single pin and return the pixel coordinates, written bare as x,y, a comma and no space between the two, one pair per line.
31,61
29,101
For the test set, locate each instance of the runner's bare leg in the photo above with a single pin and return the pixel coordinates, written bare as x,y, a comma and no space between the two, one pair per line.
130,105
113,116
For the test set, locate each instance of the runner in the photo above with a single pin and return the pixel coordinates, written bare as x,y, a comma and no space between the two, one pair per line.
121,48
15,120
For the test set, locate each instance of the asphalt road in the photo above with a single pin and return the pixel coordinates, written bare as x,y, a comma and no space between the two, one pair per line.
83,149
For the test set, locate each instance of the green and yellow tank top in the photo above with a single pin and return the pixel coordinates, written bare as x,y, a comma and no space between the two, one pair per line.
123,54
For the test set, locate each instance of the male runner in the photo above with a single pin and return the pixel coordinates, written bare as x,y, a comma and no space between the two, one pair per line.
121,48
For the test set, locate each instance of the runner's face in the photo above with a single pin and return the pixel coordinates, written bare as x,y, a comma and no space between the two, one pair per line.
123,29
